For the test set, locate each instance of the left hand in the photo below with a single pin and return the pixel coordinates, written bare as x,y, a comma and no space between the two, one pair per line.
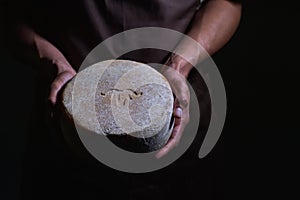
181,107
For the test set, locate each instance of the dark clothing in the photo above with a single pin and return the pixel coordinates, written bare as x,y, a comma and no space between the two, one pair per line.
51,170
76,27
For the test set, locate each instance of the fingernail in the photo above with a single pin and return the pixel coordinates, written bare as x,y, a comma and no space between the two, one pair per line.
178,112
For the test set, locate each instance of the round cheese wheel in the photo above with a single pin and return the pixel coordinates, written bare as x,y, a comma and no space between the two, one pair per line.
128,102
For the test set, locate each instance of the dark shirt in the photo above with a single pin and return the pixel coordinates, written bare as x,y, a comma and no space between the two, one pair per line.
76,27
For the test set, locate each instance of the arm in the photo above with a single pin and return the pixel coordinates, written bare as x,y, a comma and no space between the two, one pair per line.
212,28
39,48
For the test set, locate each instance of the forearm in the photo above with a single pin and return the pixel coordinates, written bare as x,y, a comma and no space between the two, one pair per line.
37,47
212,28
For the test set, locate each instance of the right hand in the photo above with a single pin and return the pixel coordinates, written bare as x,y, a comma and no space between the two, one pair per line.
64,74
181,107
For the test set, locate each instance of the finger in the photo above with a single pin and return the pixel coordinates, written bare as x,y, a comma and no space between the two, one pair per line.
181,120
173,141
182,97
182,94
177,112
57,84
179,86
166,149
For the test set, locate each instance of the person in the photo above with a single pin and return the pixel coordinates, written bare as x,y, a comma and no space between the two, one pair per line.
64,32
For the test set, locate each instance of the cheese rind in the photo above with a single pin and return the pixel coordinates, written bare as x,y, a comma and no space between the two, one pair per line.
127,101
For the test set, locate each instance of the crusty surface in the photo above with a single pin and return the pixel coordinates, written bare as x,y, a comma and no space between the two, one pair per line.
120,97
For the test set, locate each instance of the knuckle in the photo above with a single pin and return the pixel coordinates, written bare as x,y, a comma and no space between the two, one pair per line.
184,102
56,85
63,78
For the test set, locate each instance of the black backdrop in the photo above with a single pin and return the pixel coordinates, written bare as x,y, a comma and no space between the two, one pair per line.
256,154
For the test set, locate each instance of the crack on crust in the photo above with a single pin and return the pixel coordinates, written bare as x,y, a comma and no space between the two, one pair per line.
130,92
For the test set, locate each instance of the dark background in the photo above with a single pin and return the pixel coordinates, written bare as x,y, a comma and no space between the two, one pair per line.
256,154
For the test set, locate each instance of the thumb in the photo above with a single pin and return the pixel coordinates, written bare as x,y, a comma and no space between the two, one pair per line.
178,112
57,84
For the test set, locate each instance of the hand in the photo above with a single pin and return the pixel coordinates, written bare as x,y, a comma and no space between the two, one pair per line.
64,74
181,107
47,51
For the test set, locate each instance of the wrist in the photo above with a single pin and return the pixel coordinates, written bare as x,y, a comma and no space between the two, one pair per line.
49,52
179,64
